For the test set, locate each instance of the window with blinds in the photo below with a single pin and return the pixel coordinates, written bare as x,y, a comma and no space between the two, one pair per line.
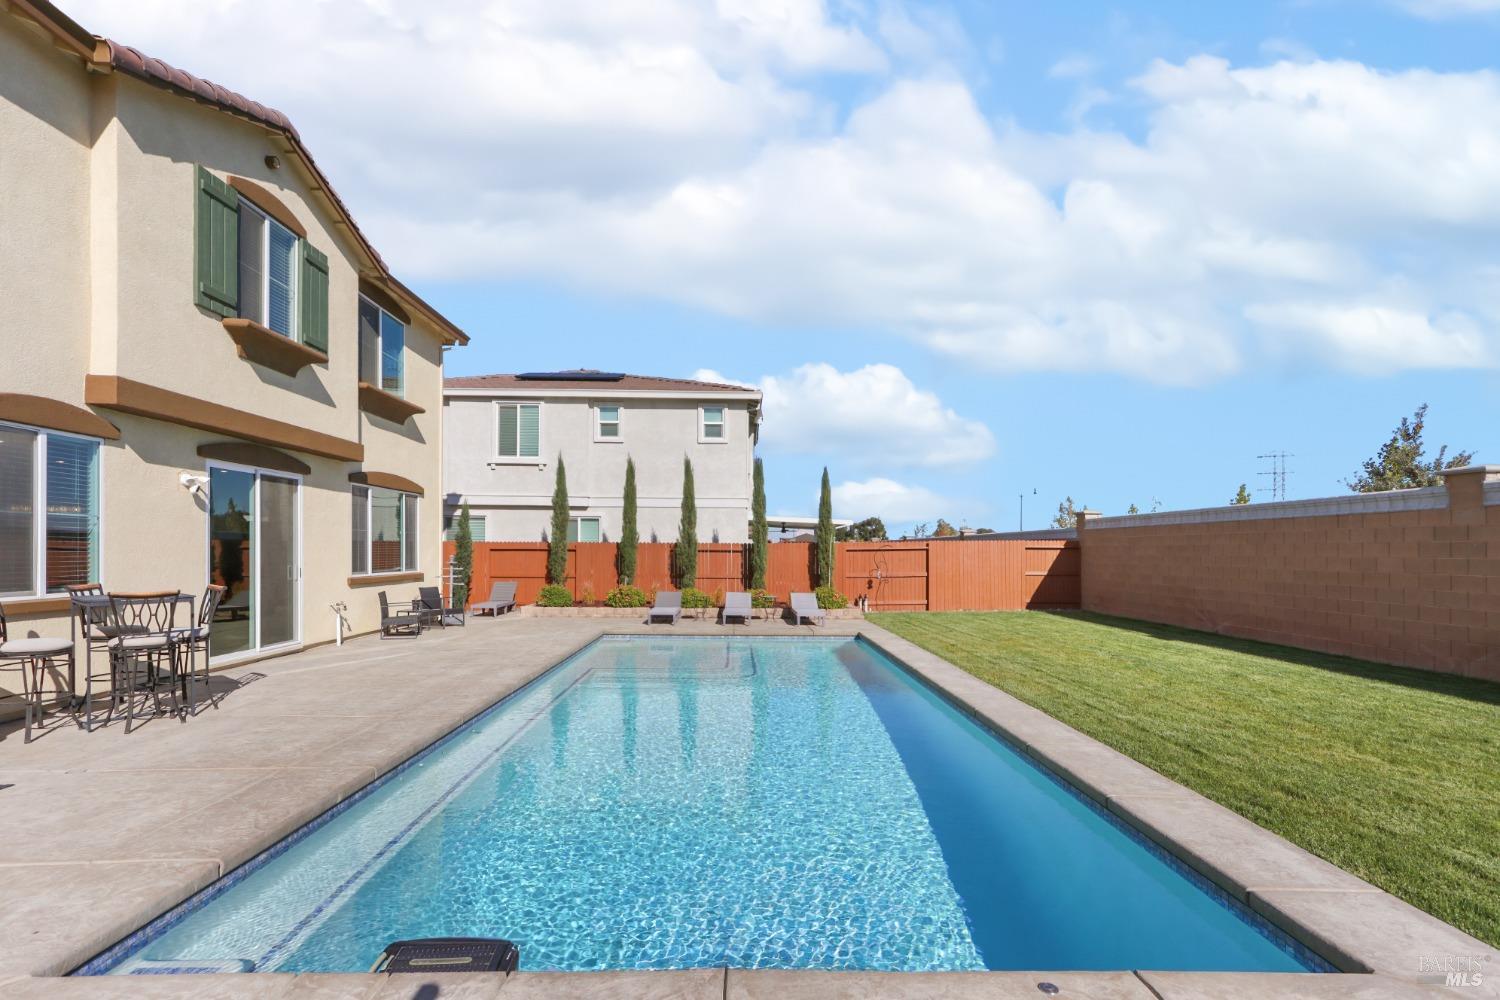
476,527
268,263
519,430
72,512
59,472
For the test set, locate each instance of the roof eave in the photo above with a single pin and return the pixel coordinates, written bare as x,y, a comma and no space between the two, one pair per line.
104,55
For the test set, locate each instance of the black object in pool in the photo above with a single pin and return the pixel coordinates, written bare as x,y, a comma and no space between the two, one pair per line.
449,955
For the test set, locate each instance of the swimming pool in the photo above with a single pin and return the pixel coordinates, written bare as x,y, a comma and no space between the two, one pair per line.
696,802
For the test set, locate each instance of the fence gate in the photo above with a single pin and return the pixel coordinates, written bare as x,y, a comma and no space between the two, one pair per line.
894,578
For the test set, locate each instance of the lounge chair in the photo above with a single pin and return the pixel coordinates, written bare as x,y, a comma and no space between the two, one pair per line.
736,605
398,622
805,608
502,598
668,605
429,604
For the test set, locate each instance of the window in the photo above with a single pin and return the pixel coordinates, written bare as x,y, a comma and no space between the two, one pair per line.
518,430
476,527
711,423
607,422
384,531
584,529
382,343
59,475
268,268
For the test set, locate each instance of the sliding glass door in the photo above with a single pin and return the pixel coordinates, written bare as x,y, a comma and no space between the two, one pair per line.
254,552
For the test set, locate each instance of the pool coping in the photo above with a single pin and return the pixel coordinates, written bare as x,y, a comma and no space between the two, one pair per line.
1327,920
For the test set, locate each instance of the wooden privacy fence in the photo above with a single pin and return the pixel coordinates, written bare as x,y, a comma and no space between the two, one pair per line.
965,575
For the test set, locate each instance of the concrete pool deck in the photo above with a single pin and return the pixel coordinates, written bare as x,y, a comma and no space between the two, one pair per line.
101,832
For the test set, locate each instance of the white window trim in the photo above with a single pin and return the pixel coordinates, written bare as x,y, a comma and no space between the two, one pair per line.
381,313
39,507
541,433
703,437
265,278
599,437
370,570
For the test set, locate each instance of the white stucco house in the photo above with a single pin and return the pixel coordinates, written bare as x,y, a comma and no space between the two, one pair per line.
502,435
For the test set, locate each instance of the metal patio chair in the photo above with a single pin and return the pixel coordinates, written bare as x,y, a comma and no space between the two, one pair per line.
143,651
429,604
397,622
32,656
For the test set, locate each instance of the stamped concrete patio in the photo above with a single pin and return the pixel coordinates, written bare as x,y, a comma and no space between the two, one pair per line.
101,832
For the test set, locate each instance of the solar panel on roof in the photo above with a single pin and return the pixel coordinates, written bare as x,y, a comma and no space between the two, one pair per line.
578,376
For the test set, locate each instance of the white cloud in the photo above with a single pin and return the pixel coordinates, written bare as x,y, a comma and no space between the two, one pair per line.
1377,339
1438,10
679,149
873,415
888,500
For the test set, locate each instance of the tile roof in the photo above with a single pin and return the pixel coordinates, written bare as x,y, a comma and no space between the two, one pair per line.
628,383
125,59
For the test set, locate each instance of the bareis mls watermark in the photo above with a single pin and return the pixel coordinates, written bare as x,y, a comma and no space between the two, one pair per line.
1452,970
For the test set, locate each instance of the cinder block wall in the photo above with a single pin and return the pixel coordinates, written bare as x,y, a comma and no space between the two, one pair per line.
1410,577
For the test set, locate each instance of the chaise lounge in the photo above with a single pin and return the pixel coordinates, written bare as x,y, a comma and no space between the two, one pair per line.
736,605
668,605
805,608
502,598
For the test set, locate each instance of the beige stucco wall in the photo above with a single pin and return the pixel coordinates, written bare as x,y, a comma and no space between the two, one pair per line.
44,197
97,273
516,498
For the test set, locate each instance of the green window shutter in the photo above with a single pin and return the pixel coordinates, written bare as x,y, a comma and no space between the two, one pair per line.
314,295
531,431
217,222
507,431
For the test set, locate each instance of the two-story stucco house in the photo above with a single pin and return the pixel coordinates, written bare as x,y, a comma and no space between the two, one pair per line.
207,374
502,435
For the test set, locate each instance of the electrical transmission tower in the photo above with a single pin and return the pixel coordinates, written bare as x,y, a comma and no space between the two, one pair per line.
1278,473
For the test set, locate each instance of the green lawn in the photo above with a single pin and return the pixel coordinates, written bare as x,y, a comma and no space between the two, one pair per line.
1389,773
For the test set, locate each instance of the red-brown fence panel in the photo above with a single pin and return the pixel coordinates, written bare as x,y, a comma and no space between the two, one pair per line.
967,575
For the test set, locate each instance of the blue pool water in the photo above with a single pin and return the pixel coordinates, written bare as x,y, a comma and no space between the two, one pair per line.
655,804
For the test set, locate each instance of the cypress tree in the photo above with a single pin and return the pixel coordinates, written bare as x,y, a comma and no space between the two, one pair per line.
824,535
758,532
686,550
463,556
629,532
557,543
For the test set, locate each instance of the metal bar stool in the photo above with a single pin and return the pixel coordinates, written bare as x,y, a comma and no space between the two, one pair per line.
191,641
93,621
32,657
143,652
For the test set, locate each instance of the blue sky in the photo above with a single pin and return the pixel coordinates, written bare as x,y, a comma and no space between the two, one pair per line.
1108,250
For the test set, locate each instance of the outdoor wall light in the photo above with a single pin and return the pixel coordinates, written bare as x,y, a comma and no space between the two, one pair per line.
196,485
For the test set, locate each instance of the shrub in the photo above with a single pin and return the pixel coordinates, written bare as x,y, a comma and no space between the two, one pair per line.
692,597
626,596
830,599
762,598
554,595
587,597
